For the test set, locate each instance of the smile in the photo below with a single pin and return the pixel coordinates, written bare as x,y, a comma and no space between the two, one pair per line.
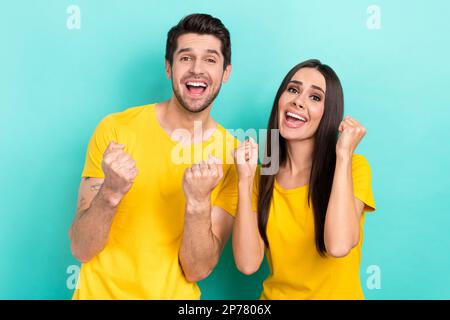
196,88
294,120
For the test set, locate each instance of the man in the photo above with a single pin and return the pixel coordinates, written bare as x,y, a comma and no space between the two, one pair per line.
149,225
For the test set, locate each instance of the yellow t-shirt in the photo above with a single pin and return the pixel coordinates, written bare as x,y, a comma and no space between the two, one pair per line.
297,270
140,260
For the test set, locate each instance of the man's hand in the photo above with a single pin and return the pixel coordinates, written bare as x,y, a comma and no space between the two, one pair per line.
206,228
200,180
120,171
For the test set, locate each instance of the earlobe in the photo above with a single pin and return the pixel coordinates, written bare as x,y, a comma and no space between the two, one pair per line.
168,69
226,74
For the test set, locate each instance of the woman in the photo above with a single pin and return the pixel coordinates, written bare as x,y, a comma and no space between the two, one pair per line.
310,213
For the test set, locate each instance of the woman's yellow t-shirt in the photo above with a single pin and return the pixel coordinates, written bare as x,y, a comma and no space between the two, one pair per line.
140,260
297,270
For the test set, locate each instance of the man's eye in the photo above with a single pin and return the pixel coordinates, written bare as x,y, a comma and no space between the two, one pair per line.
185,59
210,60
292,90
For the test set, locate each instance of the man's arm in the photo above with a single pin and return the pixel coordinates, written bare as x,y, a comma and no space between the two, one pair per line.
206,228
90,228
97,203
206,232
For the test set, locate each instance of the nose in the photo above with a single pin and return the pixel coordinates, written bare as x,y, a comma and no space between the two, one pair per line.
298,101
196,66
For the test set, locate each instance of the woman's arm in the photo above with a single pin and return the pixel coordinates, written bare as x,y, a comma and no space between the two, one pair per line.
342,222
248,246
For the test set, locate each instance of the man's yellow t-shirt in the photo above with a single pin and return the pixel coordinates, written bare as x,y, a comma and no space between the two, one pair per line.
297,270
140,260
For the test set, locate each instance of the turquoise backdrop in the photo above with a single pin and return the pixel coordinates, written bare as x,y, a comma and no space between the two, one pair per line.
57,81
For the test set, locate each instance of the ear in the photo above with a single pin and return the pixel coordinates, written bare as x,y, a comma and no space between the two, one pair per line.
168,69
226,73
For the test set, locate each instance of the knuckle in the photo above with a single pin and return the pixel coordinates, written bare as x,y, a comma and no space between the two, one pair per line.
130,164
114,166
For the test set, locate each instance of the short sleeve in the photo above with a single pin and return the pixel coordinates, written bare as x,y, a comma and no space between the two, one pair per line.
104,133
362,181
227,194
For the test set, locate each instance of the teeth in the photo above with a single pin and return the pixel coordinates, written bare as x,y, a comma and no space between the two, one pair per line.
296,116
196,84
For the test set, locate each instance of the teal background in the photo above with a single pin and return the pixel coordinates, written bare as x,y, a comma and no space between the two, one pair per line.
56,84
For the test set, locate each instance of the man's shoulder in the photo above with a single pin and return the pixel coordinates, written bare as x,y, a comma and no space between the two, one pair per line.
130,114
128,117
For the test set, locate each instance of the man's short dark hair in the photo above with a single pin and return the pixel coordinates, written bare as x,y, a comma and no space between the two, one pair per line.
203,24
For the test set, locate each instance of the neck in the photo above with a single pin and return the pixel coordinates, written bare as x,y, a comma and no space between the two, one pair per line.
299,155
172,115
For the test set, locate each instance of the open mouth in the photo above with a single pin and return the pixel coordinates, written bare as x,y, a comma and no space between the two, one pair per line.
294,120
293,117
196,87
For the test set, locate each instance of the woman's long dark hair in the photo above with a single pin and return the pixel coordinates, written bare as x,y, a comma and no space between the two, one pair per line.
324,153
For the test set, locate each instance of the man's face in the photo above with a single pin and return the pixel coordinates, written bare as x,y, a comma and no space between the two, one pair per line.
197,71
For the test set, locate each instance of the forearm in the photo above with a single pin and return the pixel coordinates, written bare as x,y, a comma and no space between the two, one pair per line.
247,244
342,221
90,230
200,248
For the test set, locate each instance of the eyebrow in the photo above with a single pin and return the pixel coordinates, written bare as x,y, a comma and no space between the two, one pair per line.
212,51
301,83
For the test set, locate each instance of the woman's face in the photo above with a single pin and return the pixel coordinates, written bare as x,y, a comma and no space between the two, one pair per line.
301,105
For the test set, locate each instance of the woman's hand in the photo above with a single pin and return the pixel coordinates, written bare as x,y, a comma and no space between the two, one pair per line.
246,159
248,247
351,135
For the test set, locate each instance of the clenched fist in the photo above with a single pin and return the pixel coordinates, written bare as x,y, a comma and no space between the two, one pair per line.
246,159
351,134
201,179
119,169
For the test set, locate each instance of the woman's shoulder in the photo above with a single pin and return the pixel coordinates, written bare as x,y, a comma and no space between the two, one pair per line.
360,165
360,160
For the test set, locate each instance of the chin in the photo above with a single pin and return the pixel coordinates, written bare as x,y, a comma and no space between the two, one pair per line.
290,135
196,108
193,106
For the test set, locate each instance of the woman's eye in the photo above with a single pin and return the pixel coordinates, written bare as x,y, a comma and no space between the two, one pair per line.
292,90
315,98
